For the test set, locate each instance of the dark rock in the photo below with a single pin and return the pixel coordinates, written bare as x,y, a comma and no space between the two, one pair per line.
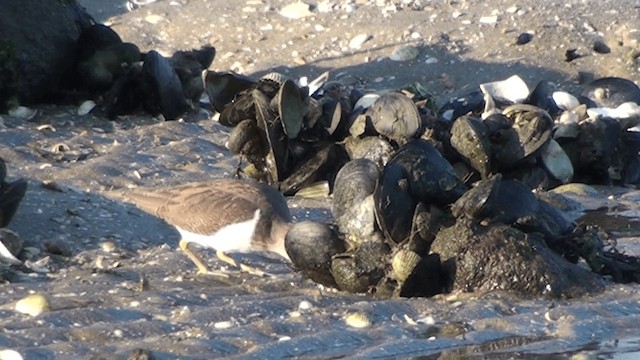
503,258
37,47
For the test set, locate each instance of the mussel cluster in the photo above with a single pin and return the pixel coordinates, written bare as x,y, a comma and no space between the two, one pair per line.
128,80
435,203
11,194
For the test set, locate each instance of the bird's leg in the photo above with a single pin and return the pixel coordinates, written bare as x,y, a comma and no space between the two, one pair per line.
202,268
246,268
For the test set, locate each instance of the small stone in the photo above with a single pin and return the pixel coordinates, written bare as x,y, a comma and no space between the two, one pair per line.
489,19
154,19
296,10
33,305
86,107
600,47
8,354
357,41
524,38
405,53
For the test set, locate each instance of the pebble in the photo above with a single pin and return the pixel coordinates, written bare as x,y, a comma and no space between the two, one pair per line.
357,41
8,354
86,107
33,305
489,19
23,112
296,10
405,53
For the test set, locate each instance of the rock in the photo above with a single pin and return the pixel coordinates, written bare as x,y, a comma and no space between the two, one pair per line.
32,73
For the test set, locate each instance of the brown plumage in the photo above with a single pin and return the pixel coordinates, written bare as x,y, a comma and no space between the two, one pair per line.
203,212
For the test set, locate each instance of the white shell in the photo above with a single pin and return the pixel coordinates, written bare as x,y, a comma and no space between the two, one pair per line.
296,10
557,162
34,305
7,257
365,101
23,112
627,114
564,100
513,89
357,41
86,107
8,354
358,320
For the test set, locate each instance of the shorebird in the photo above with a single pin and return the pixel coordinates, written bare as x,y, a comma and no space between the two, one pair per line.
226,215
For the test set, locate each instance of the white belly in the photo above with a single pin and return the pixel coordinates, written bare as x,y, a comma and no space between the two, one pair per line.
232,238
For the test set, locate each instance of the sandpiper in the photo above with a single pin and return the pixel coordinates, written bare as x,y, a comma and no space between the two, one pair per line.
226,215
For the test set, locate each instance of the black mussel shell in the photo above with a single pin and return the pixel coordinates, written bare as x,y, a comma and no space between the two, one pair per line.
324,164
497,200
431,177
311,247
475,202
166,95
222,88
394,203
94,38
396,116
242,108
3,170
470,103
533,125
105,65
348,275
610,92
11,195
505,142
470,138
539,97
373,148
290,108
189,66
427,279
246,139
354,182
267,120
124,96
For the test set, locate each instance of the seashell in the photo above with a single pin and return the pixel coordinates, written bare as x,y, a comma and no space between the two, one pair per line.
317,190
33,305
472,102
296,10
317,83
276,77
10,244
564,100
394,203
348,275
364,102
311,247
290,108
373,148
405,53
470,138
167,98
8,354
355,181
431,177
246,139
322,164
23,112
556,162
86,107
275,161
358,320
395,116
512,90
357,41
610,92
223,87
533,125
403,263
627,114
